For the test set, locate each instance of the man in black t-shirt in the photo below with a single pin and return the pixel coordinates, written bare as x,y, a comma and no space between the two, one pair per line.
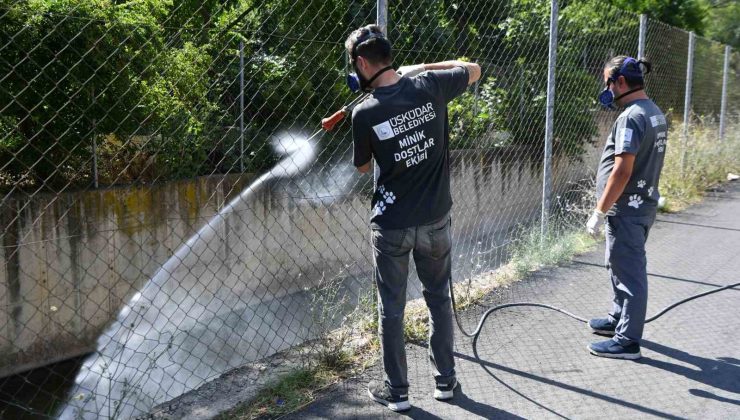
403,127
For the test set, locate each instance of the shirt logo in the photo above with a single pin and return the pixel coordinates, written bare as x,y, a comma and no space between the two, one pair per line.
383,130
405,121
624,137
657,120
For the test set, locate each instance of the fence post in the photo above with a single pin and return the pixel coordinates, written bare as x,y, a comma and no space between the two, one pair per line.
687,100
475,98
382,21
549,118
241,106
641,39
382,18
95,152
723,103
94,143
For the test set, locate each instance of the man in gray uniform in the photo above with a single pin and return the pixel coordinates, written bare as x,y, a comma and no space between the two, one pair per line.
627,187
403,127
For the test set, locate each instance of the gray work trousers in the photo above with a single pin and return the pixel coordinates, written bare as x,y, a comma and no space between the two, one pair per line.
627,265
431,246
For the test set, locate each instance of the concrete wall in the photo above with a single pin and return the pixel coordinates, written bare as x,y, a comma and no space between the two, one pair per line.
71,261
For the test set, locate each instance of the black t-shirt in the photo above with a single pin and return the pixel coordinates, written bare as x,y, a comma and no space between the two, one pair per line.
404,127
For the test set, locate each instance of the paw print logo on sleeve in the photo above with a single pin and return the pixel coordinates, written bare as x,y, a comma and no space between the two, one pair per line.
641,183
379,208
635,201
381,189
650,191
389,197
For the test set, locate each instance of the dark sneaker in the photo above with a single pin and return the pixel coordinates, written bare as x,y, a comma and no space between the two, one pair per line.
614,350
602,326
445,391
380,392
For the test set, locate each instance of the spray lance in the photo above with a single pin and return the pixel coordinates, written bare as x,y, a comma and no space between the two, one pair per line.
354,85
329,122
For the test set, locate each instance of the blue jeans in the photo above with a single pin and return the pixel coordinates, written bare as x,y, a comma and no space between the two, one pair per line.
431,246
627,265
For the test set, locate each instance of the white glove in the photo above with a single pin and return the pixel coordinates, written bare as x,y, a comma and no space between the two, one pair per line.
594,224
410,71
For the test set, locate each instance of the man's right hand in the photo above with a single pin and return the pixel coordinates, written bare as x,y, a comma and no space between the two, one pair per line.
595,222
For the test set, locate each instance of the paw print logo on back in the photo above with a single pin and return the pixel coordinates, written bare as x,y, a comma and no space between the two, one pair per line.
635,201
379,208
389,197
650,191
386,198
641,183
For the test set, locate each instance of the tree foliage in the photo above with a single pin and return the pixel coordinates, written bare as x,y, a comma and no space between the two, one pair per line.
155,83
722,21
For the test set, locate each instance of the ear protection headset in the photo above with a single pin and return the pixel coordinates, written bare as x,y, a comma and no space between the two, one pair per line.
355,81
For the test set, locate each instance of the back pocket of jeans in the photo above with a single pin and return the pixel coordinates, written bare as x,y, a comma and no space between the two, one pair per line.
439,237
389,241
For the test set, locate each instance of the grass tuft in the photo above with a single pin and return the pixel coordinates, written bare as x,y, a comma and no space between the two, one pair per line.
287,394
703,162
534,251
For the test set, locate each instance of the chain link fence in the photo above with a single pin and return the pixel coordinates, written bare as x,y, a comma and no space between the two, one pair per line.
166,216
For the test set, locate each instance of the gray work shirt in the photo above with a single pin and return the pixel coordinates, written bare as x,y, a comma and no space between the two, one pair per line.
640,130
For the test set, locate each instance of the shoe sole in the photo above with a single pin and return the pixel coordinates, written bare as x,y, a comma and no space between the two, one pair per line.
609,333
399,406
623,356
443,395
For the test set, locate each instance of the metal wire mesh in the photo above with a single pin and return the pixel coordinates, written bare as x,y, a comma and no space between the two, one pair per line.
668,48
165,219
708,67
586,40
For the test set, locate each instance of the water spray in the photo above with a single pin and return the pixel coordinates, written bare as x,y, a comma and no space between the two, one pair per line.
147,339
